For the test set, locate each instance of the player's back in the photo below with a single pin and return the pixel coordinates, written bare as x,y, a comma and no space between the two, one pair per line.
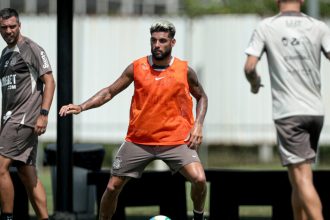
293,43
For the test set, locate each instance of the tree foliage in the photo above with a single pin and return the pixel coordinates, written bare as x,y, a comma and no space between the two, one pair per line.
196,8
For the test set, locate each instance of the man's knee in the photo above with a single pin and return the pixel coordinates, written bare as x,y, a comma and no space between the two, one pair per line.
4,171
300,174
4,166
114,187
199,181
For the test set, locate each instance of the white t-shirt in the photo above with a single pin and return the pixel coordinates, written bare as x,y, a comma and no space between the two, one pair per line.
293,43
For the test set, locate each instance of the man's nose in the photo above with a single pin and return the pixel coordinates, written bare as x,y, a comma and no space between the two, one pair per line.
157,44
8,30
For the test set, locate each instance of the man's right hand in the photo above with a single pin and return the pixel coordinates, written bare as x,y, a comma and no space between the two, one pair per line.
255,86
70,109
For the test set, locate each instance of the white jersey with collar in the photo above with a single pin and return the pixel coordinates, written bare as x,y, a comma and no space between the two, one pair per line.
293,43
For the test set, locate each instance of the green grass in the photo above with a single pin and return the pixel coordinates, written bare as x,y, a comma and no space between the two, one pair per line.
140,212
222,157
44,176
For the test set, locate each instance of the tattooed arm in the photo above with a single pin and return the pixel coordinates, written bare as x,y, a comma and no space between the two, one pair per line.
102,96
196,135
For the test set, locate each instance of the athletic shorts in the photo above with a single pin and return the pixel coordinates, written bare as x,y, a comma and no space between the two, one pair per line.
19,143
298,138
132,159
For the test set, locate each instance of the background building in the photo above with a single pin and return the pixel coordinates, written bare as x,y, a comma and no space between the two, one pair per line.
114,7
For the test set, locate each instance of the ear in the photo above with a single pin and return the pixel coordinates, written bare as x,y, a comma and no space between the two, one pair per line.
173,41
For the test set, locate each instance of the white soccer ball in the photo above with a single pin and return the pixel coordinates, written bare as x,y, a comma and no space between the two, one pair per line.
160,217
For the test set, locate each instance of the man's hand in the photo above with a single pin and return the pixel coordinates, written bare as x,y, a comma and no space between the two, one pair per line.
255,85
41,125
70,109
195,137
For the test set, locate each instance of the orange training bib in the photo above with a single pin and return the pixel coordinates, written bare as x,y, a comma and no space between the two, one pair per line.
161,108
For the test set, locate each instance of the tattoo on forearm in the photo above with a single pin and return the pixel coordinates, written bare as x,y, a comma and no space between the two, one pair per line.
98,99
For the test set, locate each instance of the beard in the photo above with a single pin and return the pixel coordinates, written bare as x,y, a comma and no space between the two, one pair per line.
158,55
10,39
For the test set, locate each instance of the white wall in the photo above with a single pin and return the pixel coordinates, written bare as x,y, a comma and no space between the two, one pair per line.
214,46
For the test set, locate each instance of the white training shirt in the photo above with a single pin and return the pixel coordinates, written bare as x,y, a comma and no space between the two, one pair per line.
293,43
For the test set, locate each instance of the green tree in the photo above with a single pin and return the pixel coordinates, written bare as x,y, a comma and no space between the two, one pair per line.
194,8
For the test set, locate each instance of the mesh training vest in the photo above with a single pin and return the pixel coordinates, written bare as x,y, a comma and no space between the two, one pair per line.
161,107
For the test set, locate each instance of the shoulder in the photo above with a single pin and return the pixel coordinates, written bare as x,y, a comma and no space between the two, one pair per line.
180,61
141,60
34,54
29,46
29,43
320,23
190,70
265,22
140,64
3,51
311,19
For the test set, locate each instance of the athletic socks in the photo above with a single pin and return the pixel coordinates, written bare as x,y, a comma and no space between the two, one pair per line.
198,215
6,216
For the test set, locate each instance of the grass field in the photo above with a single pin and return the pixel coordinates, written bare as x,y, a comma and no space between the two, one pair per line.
233,157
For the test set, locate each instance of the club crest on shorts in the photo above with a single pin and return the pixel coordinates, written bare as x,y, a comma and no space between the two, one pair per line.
116,163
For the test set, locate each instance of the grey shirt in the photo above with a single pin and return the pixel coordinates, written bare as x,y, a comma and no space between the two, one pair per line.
22,89
293,43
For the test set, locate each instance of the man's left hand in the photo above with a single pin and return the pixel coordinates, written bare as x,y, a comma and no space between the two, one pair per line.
195,137
41,125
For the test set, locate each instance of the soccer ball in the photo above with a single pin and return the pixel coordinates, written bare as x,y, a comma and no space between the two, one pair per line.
160,217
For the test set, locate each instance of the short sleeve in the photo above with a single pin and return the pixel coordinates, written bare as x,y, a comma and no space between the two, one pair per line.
326,38
257,43
41,61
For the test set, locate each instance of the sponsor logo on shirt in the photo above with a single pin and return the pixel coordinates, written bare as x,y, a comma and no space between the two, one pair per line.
293,23
159,78
9,81
10,62
7,116
45,63
13,61
6,63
